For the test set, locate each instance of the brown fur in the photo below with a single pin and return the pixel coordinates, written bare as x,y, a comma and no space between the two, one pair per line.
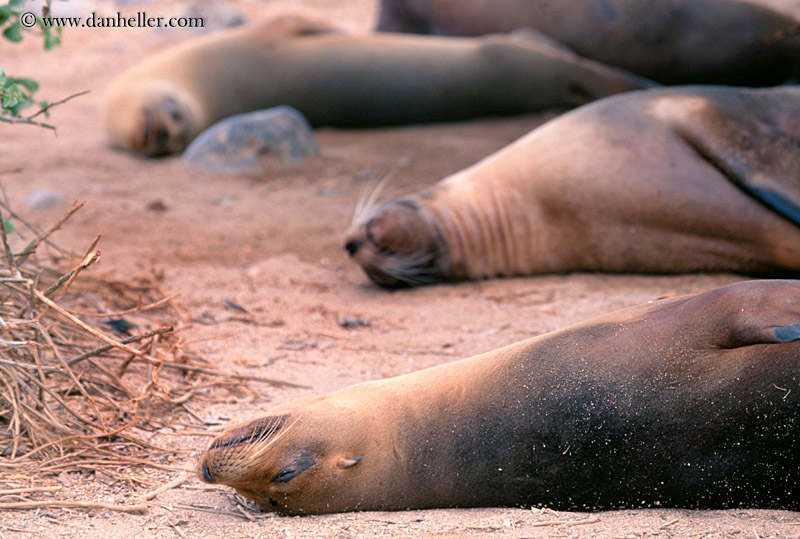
666,181
686,402
158,106
750,42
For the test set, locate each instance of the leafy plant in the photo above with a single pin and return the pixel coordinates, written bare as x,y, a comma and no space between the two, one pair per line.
16,93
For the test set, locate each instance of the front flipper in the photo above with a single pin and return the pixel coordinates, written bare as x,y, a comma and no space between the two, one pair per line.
592,79
788,333
755,312
747,137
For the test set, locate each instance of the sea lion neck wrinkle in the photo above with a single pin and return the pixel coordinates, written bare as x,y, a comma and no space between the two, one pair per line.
501,231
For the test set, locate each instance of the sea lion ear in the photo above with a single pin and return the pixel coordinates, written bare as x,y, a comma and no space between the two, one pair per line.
348,462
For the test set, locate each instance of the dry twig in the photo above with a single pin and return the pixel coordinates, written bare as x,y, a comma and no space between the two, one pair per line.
175,483
70,392
590,520
73,504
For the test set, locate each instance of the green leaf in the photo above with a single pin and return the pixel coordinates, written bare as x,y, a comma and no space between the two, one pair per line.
16,5
51,39
8,224
30,84
9,101
13,33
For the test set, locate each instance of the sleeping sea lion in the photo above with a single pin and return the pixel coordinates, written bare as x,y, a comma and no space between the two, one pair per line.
158,106
736,42
657,181
691,402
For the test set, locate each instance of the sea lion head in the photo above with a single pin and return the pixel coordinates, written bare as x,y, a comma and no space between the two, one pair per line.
306,459
155,120
399,244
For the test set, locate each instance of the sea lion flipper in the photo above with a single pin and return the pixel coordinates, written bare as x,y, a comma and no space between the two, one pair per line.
758,153
534,36
599,79
773,178
788,207
788,333
761,312
764,334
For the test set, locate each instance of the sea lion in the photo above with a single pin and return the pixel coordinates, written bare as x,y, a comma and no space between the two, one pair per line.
690,402
735,42
158,106
657,181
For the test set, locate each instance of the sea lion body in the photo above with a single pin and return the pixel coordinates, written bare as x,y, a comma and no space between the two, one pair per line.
672,41
659,181
688,402
159,105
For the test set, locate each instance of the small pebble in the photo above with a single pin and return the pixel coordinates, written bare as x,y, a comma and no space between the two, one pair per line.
157,205
353,322
45,199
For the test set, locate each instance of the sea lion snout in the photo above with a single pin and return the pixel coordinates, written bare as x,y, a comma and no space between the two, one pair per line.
229,457
389,229
155,120
164,128
289,463
397,246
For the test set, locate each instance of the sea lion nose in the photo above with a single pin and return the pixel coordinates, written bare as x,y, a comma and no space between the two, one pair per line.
207,474
352,247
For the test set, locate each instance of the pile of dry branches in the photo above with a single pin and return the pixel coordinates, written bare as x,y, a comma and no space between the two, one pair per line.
82,366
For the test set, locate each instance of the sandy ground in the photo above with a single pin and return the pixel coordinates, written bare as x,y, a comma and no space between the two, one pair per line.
272,243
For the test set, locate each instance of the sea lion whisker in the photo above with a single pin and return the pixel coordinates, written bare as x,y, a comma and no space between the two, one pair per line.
414,270
247,434
358,209
367,199
269,432
417,259
410,277
259,448
228,452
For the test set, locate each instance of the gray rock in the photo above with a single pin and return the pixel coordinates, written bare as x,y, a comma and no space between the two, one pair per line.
216,16
45,199
232,146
